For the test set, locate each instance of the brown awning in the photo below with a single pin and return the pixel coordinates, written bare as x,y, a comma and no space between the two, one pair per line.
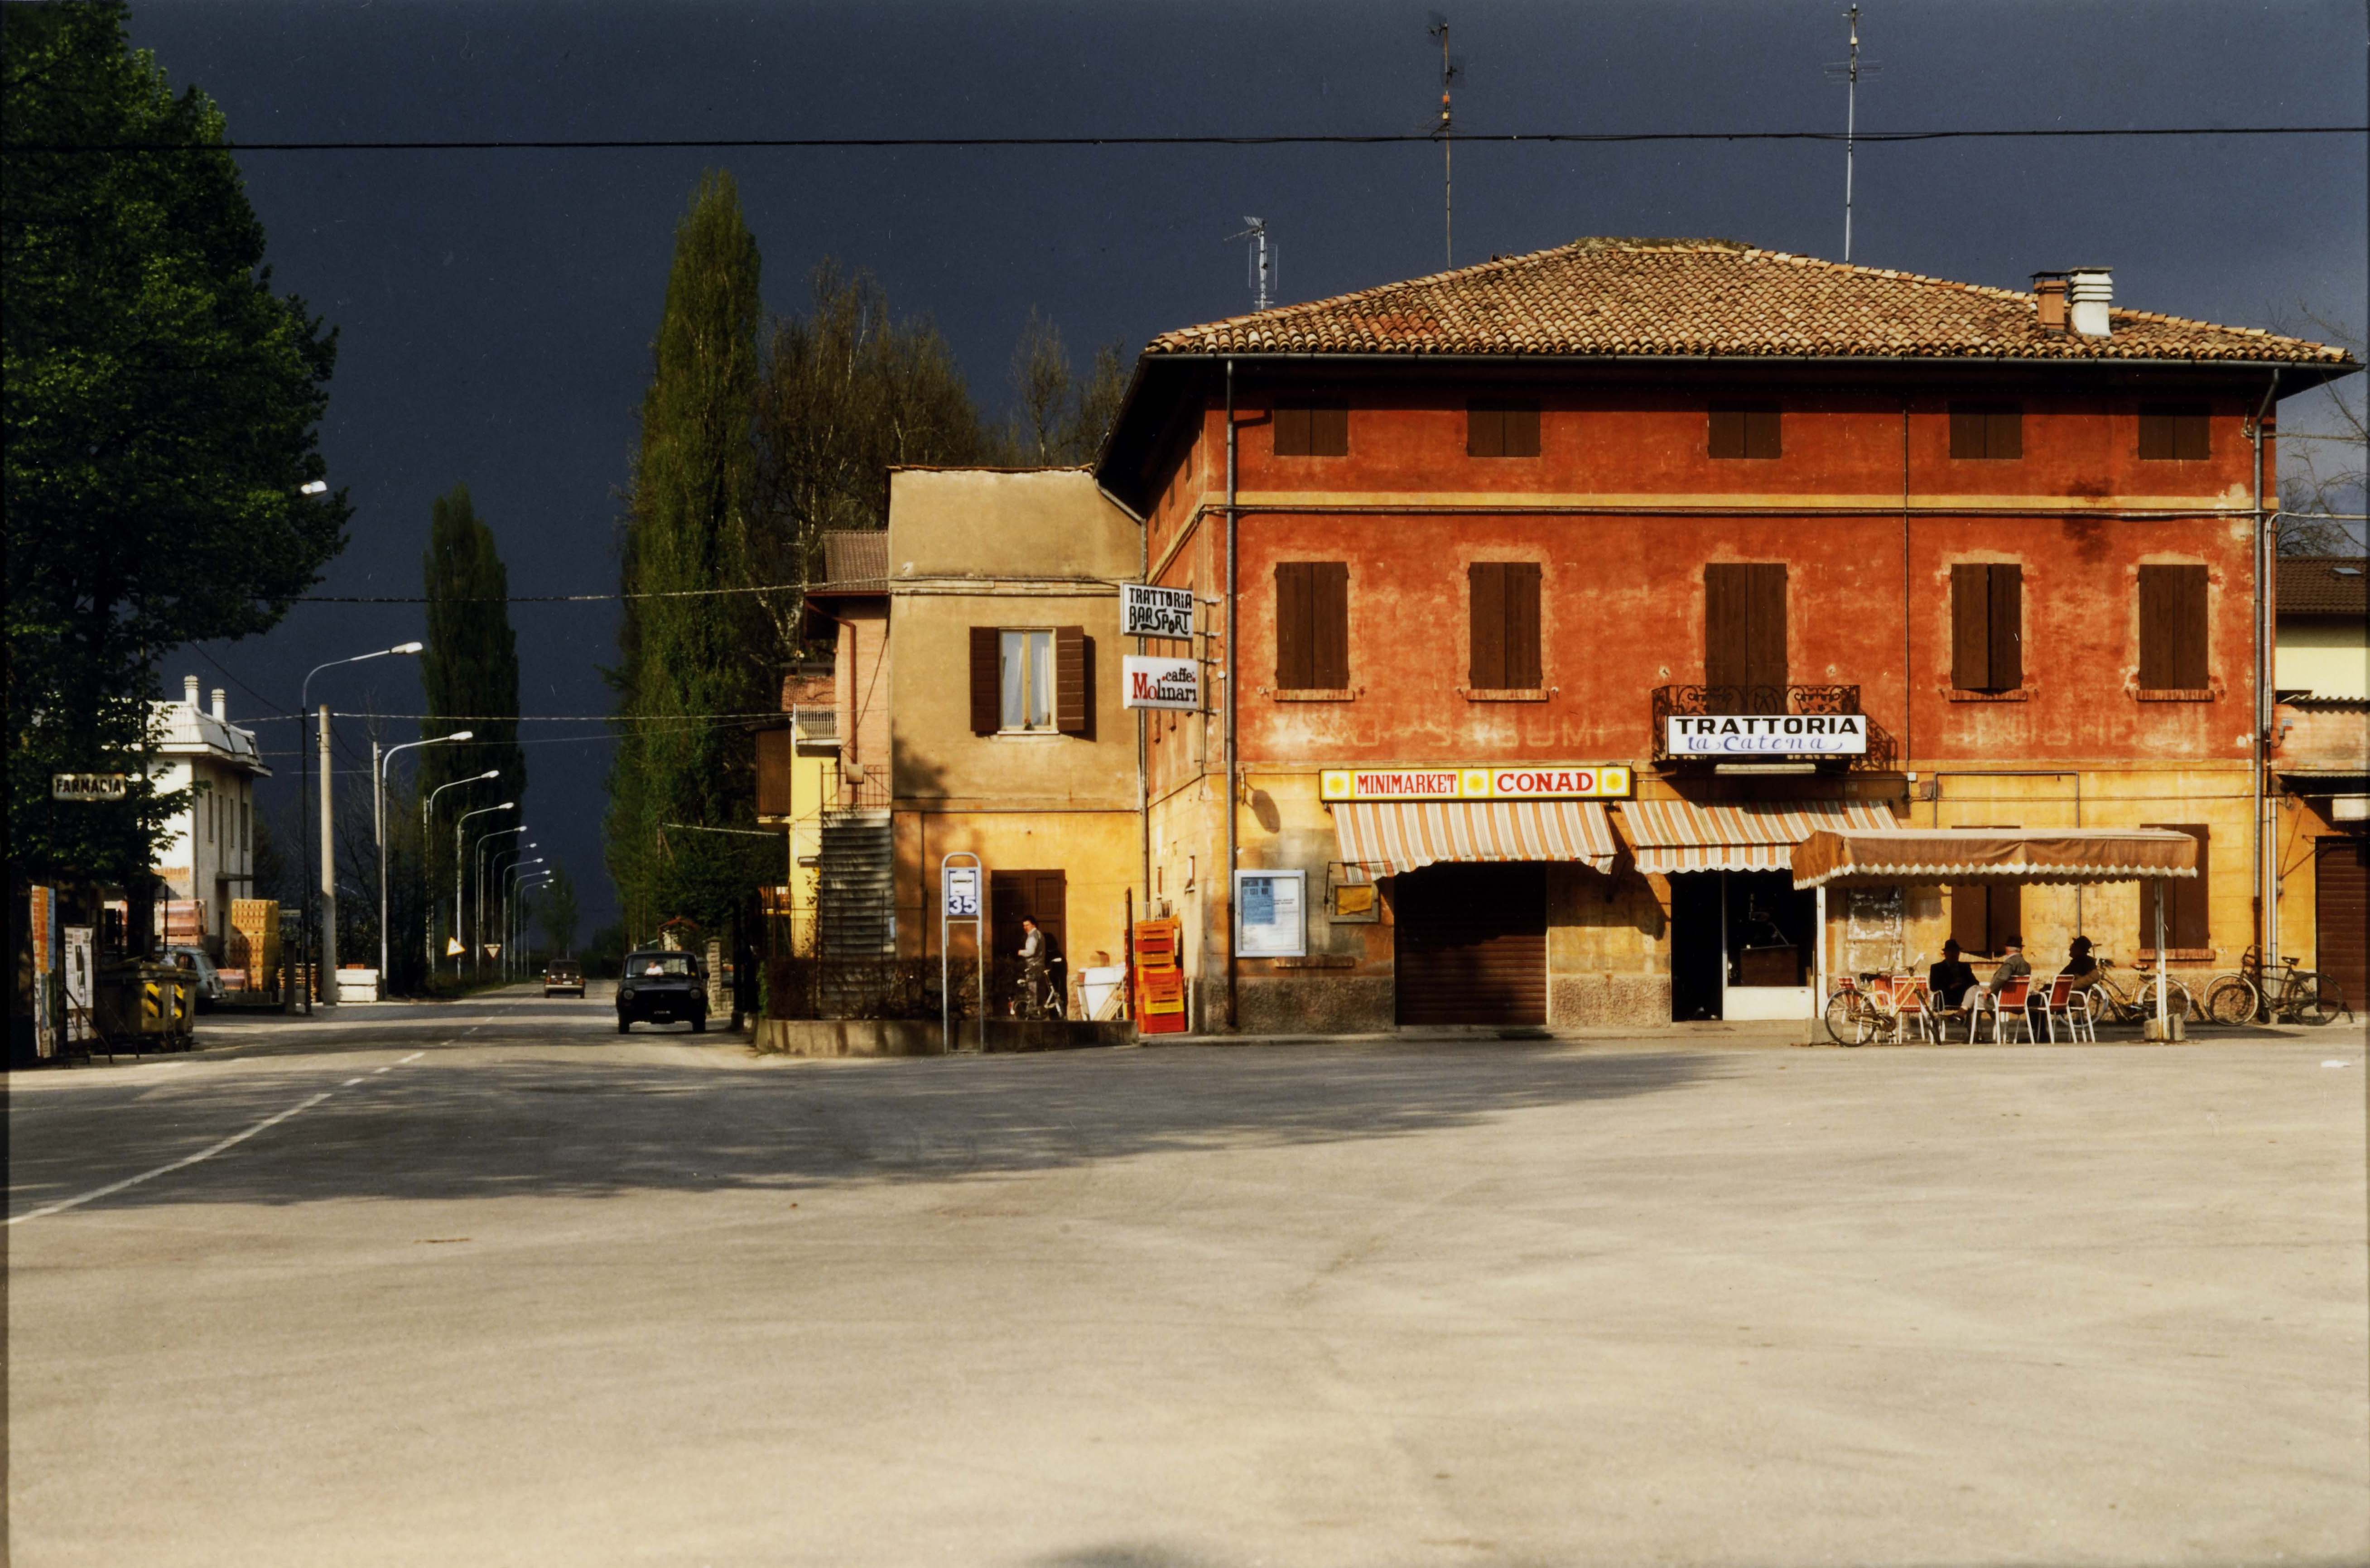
1670,835
1994,854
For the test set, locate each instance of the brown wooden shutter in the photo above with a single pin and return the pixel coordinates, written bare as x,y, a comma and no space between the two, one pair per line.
2006,643
1971,655
774,753
2190,440
1986,430
2004,433
1764,650
1760,432
2185,912
1486,581
1967,435
987,690
1485,431
2173,628
1329,428
2004,916
1296,621
1727,432
1073,697
1522,430
1291,428
1523,665
2171,432
1971,917
1725,660
1330,645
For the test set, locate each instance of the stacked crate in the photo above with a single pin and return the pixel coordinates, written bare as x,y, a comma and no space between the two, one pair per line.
1160,978
252,948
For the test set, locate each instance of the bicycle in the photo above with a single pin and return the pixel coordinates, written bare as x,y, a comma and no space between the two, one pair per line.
2295,995
2111,1002
1041,996
1866,1008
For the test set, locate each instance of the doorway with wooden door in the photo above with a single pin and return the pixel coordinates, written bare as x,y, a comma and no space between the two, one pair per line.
1013,897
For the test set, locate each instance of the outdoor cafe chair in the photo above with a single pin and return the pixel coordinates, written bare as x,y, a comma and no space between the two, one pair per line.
2071,1002
2007,1010
1913,1006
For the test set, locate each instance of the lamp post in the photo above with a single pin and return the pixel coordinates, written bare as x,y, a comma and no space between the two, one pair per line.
518,919
379,761
460,829
427,812
325,955
503,923
477,880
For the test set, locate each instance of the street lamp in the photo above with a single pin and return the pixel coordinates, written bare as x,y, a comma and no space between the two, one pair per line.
518,918
477,881
503,961
493,867
427,812
459,829
379,761
326,955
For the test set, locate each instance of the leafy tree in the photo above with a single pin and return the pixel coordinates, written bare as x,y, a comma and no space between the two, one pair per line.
161,421
1057,418
691,526
470,672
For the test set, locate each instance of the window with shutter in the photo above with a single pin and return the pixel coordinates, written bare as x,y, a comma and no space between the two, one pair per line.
1500,428
2174,432
1745,430
2173,628
1312,625
2185,922
1504,615
1074,681
1987,626
1744,625
1312,427
1993,430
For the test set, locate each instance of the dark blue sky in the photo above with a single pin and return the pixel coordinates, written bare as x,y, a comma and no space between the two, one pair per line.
496,308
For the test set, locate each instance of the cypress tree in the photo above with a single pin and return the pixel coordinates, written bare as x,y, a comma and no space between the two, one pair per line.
470,672
691,525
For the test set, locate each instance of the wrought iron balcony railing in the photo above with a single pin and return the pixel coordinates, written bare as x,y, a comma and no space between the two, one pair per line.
1769,702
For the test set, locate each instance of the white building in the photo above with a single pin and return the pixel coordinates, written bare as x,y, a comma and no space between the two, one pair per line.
209,853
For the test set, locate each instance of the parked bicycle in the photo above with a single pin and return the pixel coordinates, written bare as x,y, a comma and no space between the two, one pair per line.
2128,996
2295,995
1872,1007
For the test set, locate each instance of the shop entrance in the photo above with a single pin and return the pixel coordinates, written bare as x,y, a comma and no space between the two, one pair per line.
1739,931
1471,942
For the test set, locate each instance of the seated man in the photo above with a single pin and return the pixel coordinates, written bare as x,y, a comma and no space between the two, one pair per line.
2011,969
2078,962
1951,980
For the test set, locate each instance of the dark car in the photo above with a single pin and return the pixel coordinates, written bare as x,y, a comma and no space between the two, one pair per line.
661,986
563,974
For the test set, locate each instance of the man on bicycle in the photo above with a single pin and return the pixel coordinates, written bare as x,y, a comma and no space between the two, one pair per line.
1033,966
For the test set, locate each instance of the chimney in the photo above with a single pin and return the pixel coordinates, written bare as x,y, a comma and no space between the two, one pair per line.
190,690
2049,297
2091,290
222,705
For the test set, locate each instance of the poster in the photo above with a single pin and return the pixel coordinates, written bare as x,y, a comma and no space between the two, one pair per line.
1269,922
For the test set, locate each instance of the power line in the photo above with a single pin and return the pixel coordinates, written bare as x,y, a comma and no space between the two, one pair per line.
544,598
1273,140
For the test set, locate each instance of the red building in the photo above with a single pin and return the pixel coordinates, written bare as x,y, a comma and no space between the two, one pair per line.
1567,590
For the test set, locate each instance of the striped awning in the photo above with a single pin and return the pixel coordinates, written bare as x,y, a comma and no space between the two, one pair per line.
1383,838
1994,854
1756,835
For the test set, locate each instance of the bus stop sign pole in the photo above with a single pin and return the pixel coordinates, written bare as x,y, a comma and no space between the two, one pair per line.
960,880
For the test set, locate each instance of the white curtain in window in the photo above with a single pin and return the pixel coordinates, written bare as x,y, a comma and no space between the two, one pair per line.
1041,679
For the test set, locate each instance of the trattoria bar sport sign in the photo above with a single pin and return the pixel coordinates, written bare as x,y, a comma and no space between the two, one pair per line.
1768,735
1538,780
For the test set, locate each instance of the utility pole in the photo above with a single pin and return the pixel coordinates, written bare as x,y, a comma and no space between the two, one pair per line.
326,982
1449,71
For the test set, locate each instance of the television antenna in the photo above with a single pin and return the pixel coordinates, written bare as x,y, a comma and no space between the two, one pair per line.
1849,71
1262,262
1451,67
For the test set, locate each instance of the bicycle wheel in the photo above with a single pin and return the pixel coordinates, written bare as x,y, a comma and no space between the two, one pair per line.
2232,1001
2105,1007
1843,1018
2328,1001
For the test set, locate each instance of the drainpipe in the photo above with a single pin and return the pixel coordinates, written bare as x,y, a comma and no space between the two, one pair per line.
1233,664
2267,876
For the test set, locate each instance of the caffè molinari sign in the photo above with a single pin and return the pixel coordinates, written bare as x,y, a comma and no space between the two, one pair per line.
1767,734
1536,781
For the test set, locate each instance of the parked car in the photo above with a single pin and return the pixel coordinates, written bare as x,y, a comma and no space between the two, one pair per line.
563,974
657,986
209,989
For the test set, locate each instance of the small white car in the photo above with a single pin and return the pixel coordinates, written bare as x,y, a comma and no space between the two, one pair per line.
209,987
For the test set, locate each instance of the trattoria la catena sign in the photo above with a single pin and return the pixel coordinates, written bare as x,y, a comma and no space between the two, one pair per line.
1767,734
1532,781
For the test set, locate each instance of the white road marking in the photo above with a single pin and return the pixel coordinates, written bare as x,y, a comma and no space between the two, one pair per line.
351,1082
376,1071
413,1056
2333,1064
206,1153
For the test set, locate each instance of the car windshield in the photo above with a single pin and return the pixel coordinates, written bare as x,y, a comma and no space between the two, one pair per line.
663,964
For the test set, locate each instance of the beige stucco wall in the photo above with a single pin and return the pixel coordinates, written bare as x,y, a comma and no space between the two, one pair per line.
1047,523
1098,852
2328,657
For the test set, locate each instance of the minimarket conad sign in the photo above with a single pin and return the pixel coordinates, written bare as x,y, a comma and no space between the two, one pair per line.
1530,781
1767,734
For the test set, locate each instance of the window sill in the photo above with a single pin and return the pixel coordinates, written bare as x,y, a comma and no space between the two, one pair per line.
1027,734
1316,694
1962,694
1508,693
2179,956
2178,694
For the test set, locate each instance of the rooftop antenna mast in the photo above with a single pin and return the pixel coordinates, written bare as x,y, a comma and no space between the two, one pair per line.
1450,69
1849,71
1262,265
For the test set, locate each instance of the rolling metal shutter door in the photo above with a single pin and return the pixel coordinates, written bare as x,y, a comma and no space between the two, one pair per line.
1472,944
2342,919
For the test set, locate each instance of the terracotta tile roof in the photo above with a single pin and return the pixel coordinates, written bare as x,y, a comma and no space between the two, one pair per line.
855,560
1701,297
2323,585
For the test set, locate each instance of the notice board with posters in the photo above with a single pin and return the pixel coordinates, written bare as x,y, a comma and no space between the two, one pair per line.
1270,914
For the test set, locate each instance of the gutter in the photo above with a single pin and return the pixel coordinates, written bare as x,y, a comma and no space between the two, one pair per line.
2267,884
2335,368
1232,662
